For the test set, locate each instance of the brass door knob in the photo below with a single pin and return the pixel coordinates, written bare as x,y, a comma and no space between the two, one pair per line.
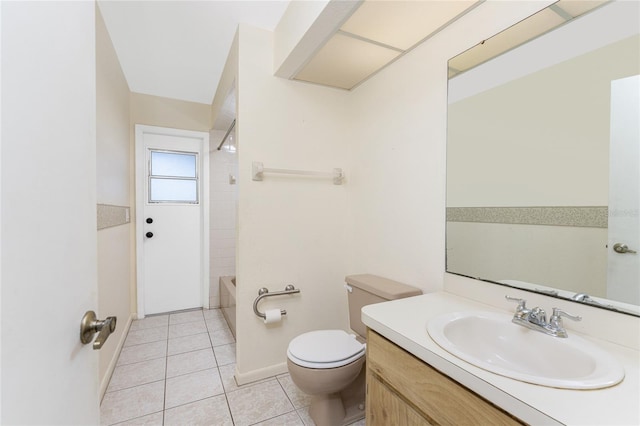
622,248
91,325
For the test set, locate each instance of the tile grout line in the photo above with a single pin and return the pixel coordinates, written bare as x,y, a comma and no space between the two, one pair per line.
276,416
289,398
164,408
225,393
224,390
217,366
166,362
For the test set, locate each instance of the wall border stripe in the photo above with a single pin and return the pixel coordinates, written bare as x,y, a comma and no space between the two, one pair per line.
110,216
589,217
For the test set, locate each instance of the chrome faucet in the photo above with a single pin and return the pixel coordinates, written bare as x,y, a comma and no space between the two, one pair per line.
536,318
585,298
581,297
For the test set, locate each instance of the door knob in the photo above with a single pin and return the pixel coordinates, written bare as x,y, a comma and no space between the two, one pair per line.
91,325
149,220
622,248
149,234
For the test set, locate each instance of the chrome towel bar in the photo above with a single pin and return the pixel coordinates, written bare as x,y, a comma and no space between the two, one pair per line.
264,292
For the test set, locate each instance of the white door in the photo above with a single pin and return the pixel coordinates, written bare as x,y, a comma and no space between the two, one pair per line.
172,219
48,197
623,273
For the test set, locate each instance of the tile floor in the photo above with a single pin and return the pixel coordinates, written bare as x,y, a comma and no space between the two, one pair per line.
177,369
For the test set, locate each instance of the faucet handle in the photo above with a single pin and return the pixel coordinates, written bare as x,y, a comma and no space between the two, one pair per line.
555,321
558,313
522,303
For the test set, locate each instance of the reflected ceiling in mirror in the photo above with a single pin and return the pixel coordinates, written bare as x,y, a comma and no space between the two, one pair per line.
532,201
540,23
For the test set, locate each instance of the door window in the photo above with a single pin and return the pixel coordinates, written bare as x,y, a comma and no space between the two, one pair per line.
173,177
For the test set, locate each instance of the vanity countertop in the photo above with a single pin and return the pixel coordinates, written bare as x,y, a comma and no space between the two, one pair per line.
404,322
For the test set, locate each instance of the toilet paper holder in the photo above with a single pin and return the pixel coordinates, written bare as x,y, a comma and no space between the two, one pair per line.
264,292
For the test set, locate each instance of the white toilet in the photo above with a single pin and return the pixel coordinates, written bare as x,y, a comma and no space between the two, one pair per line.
328,364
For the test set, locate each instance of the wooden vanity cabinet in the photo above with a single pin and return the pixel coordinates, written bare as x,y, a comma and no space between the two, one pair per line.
403,390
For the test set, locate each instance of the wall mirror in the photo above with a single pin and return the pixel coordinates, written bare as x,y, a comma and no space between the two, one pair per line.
542,155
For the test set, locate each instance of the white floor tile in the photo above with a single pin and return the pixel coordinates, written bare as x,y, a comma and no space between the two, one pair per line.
131,403
212,314
190,362
222,336
225,354
187,329
150,322
289,419
298,398
154,419
258,403
193,387
227,376
143,352
188,343
227,373
148,335
130,375
306,418
183,317
210,411
214,324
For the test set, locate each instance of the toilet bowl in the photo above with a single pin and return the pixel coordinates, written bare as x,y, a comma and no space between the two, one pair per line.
323,363
329,364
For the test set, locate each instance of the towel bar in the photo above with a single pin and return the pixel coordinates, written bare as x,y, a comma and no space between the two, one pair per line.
258,170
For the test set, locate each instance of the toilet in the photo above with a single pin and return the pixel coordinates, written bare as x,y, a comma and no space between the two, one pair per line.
329,364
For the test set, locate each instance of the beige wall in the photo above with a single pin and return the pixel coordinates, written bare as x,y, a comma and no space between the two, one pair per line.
498,134
398,153
499,252
165,112
389,218
220,109
292,230
112,180
396,195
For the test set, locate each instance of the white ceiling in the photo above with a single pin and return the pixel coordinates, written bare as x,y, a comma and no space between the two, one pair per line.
177,49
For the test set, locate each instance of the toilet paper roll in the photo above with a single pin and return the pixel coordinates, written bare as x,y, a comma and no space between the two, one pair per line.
272,315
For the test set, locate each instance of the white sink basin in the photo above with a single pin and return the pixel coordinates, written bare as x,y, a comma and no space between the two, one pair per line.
492,342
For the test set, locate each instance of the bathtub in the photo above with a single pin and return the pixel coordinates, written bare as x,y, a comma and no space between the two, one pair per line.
228,301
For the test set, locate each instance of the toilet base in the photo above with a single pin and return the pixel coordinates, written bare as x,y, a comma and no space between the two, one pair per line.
341,408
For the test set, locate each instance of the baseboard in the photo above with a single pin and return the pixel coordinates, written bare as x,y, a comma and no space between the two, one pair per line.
104,383
262,373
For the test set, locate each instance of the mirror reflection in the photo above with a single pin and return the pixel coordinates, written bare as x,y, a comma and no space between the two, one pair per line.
542,156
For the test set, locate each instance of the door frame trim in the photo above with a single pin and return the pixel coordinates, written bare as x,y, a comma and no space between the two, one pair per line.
140,179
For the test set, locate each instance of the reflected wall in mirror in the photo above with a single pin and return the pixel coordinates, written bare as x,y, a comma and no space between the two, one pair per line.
542,157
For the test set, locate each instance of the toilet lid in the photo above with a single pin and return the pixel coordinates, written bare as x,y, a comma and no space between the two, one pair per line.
325,346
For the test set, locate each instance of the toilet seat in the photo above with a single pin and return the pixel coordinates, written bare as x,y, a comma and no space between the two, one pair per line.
325,349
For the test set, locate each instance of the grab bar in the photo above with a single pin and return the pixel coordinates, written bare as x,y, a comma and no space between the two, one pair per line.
264,292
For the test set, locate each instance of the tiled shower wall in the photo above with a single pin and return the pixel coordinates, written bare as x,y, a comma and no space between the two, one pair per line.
224,199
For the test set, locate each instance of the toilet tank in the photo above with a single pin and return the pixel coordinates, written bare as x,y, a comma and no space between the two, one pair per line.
367,289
